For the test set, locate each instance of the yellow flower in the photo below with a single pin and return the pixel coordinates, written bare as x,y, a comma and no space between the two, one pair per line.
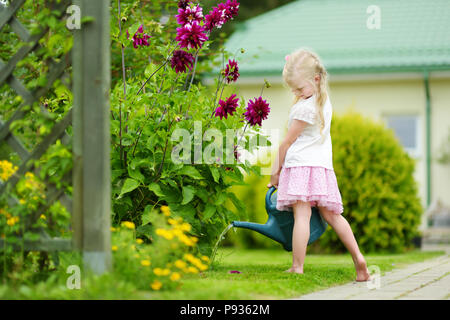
29,175
22,201
194,239
165,210
12,221
158,271
185,227
128,224
177,232
202,267
113,229
43,217
188,256
180,264
8,169
156,285
165,272
145,263
114,248
139,241
205,258
192,269
175,276
185,239
172,221
164,233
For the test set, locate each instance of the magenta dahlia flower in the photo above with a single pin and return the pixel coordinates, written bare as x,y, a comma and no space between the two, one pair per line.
230,9
140,38
180,60
183,4
231,71
227,107
191,36
215,19
257,111
189,15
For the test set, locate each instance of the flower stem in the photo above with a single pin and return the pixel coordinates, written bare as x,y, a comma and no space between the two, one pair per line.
165,62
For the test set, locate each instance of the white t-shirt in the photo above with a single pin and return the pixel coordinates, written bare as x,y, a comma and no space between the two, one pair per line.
309,149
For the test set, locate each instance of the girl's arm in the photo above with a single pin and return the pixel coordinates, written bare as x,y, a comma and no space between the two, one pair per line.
293,133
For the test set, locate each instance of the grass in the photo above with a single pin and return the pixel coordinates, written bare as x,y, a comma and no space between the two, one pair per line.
261,278
262,274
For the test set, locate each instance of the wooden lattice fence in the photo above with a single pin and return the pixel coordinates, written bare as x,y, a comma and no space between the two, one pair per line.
90,175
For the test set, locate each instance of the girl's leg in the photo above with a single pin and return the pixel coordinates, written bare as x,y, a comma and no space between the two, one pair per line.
300,235
345,233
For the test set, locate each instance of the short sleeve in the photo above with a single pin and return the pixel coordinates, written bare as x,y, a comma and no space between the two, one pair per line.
304,112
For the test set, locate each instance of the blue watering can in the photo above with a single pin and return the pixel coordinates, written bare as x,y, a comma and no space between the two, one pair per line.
280,224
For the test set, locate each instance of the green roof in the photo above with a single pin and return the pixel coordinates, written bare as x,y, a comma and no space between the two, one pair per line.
414,35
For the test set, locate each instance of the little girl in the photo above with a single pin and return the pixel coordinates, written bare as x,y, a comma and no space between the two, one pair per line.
303,171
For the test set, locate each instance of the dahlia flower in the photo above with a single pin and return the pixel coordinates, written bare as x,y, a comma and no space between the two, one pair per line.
257,111
139,40
215,19
231,71
227,107
183,4
189,15
180,60
191,36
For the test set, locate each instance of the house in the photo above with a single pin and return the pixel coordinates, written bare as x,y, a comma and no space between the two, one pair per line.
389,60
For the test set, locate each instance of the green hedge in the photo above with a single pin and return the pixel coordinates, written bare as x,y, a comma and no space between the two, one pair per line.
375,178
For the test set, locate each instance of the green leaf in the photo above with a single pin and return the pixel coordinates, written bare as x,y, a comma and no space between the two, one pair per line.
188,194
202,194
156,189
210,209
191,171
133,29
149,215
236,201
128,186
136,174
215,173
221,198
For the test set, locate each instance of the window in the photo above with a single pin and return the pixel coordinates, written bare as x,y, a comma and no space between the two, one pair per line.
406,128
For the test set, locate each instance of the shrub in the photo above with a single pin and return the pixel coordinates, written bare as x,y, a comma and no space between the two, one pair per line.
157,101
375,177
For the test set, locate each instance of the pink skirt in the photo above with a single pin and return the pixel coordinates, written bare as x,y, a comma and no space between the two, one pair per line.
318,185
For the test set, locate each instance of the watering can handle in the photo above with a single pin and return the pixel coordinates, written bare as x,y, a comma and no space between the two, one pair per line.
268,196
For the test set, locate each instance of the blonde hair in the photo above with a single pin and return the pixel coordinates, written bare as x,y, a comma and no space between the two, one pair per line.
306,64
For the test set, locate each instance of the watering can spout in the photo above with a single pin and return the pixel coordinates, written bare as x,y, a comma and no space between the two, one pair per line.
261,228
269,229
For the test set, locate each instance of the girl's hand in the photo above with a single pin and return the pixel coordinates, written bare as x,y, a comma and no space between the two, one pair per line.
274,180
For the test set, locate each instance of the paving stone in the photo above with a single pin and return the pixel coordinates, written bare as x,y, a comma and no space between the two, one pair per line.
424,280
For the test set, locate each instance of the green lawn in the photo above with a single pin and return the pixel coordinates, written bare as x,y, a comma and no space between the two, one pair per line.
262,274
261,277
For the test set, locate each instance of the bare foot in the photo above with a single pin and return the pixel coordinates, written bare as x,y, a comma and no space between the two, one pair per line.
362,273
295,270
